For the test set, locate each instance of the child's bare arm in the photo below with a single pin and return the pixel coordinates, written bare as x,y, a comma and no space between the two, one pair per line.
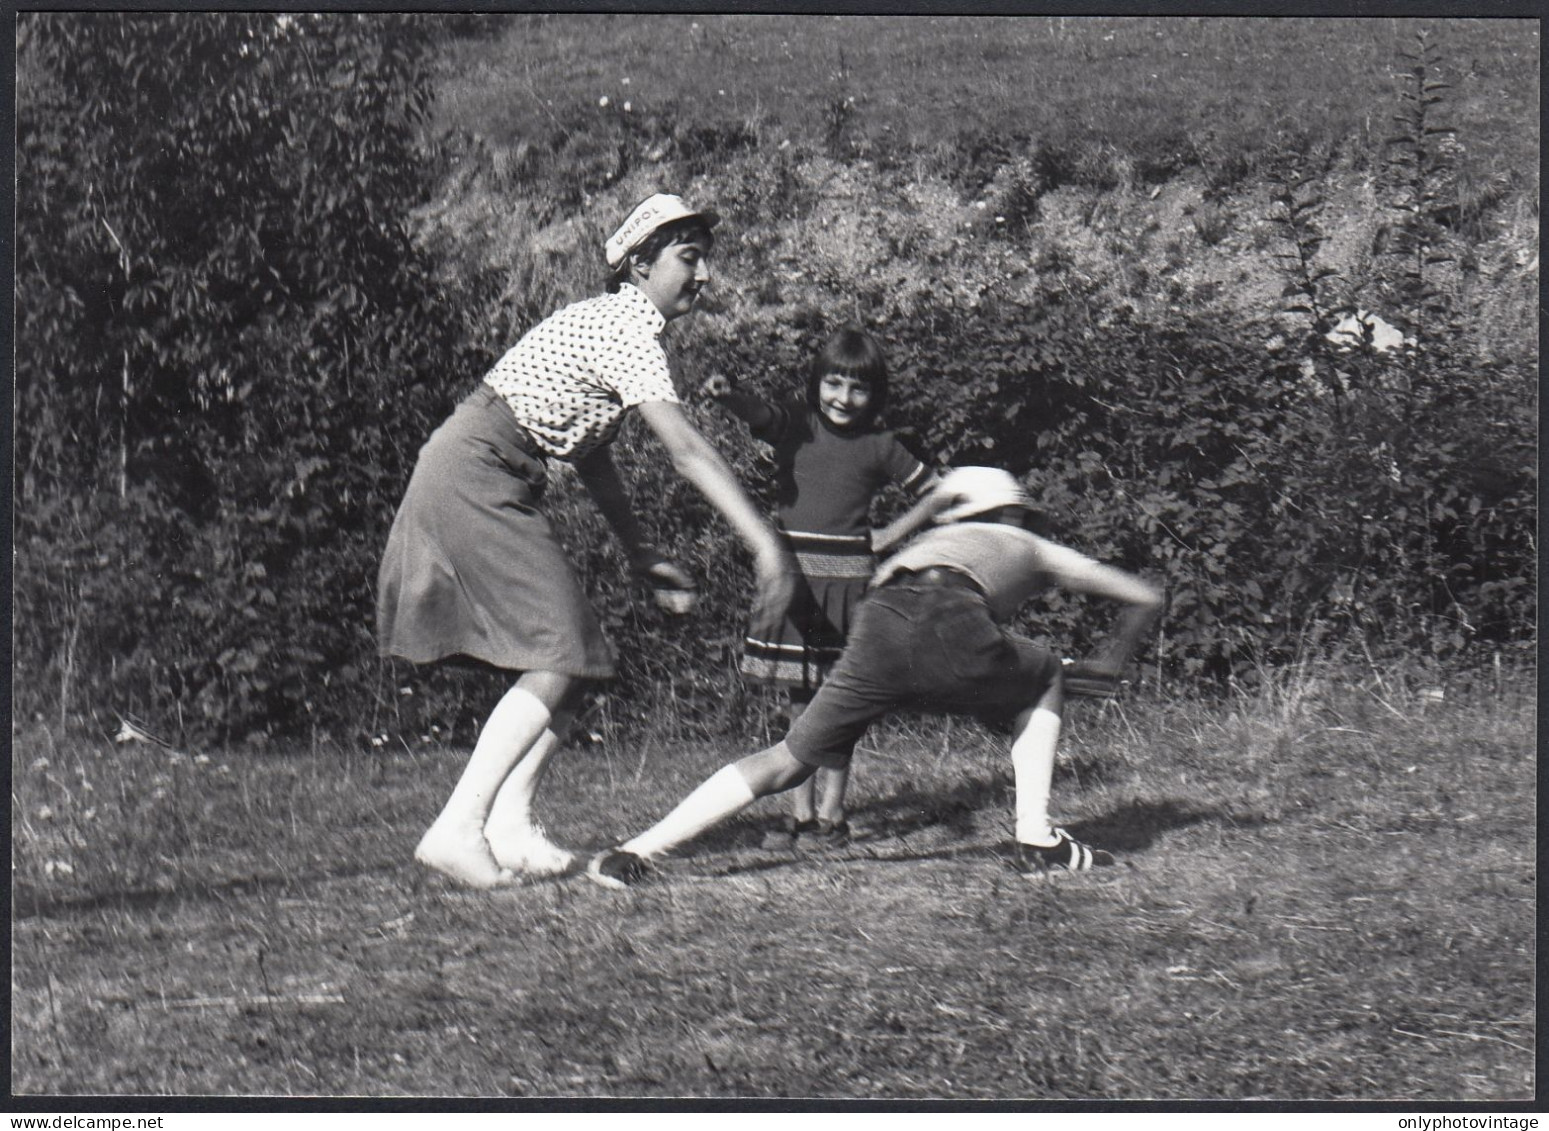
888,538
911,522
1142,601
751,410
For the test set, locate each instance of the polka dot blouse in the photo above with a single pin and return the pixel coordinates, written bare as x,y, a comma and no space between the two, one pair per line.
571,377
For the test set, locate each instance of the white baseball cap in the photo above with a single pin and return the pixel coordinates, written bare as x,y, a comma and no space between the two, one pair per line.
974,490
650,214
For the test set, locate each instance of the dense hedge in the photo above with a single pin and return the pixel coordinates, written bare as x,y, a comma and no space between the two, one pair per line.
1273,508
228,352
230,348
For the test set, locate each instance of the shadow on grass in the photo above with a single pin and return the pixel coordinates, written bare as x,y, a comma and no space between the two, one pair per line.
911,810
905,811
28,902
952,817
774,860
960,811
1136,826
953,820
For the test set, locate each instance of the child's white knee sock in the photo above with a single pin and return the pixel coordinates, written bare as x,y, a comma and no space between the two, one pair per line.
719,796
1032,761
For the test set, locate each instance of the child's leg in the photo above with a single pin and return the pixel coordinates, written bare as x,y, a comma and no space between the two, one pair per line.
729,790
1042,851
834,783
803,796
454,843
1032,761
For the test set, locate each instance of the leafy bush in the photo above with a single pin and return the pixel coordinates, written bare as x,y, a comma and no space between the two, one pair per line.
1399,512
228,354
231,345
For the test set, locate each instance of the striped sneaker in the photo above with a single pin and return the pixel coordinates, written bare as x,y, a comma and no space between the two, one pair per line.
1067,855
615,868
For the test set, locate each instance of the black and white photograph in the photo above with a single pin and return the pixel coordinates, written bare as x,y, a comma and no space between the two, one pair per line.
794,561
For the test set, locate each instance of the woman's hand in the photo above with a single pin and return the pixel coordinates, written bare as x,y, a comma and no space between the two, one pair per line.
776,576
665,574
1093,679
671,586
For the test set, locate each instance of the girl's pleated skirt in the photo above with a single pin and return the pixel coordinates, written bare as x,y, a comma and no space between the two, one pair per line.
796,647
472,569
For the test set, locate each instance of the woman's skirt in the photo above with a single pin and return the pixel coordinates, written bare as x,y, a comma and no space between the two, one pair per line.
472,568
796,647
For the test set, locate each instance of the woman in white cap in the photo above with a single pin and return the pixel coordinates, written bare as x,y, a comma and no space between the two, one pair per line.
473,572
933,632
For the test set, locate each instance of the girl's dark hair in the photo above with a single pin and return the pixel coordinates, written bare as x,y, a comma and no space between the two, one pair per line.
851,352
678,231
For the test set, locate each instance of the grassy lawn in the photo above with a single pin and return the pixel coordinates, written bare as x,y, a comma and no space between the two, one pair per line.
1326,891
1326,887
1166,91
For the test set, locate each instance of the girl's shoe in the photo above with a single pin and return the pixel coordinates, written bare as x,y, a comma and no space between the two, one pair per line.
788,833
830,834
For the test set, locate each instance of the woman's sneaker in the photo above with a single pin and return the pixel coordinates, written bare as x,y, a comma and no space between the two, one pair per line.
1066,855
615,868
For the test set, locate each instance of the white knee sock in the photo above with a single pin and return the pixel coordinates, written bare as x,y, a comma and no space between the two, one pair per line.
1032,761
719,796
514,726
513,808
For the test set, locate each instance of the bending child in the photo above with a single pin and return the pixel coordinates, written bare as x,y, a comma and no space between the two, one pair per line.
933,632
832,458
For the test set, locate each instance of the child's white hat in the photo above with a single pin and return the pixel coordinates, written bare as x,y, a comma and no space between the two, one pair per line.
974,490
650,214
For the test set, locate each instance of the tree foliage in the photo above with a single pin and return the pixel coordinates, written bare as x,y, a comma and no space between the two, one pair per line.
227,349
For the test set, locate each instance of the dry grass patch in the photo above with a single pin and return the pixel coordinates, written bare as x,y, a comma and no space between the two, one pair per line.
1324,893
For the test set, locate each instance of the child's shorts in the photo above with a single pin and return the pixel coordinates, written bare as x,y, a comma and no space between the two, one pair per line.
923,640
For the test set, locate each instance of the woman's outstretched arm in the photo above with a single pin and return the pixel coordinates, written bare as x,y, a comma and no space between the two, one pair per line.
697,460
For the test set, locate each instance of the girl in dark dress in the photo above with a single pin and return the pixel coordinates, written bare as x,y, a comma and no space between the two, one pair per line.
831,459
